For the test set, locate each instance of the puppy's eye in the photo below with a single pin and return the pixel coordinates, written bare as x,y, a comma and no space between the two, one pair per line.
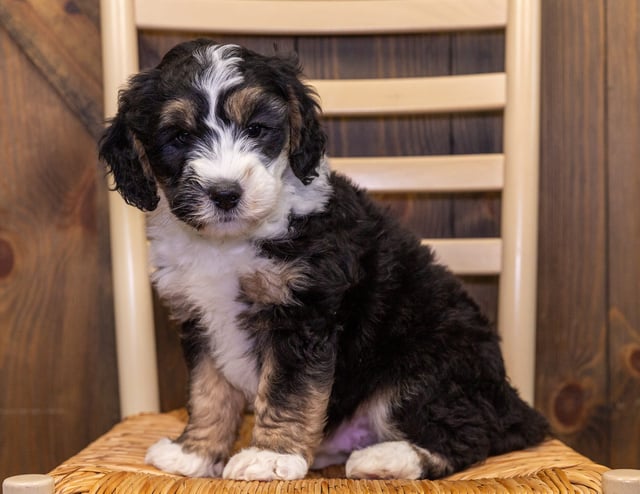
255,130
182,137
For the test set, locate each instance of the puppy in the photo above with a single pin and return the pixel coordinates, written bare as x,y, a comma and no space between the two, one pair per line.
296,294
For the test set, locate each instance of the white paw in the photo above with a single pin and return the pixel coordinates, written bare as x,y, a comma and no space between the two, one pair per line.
262,464
388,460
169,456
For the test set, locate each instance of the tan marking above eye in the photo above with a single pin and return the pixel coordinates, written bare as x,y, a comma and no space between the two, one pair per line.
239,105
181,112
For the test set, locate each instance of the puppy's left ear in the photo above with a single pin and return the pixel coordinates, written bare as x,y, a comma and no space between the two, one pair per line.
125,158
307,138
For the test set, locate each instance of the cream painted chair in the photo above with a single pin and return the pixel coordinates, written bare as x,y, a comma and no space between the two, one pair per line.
115,461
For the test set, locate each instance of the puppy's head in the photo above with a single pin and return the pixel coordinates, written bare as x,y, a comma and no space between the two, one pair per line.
217,130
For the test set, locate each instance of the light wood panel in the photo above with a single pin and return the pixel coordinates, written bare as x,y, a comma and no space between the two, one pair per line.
425,173
411,95
320,17
468,257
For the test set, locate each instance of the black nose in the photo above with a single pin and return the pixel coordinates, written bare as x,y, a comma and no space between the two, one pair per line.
226,196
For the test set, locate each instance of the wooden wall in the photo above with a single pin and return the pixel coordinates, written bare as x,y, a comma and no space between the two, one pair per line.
573,246
57,362
622,131
589,279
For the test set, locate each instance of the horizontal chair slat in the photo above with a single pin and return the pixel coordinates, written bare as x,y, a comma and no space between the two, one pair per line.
469,256
411,95
451,173
313,17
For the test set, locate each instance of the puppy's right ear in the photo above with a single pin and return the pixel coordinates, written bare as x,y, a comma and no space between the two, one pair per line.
125,158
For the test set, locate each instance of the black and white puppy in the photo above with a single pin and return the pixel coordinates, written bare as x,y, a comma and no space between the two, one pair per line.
296,293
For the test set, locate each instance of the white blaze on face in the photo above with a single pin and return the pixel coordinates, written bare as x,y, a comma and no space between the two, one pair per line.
221,73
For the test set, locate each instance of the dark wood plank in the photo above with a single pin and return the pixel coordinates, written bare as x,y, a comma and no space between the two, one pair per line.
154,44
65,46
172,369
623,154
572,374
57,352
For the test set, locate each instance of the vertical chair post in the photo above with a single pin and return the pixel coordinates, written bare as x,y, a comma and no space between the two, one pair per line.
133,302
517,307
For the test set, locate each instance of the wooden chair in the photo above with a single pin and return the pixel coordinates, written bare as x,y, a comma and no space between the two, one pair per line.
513,172
115,461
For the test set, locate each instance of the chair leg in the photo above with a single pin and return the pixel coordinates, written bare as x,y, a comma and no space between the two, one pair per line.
621,482
28,484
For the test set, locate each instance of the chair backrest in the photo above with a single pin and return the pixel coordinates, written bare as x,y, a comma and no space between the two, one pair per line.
514,172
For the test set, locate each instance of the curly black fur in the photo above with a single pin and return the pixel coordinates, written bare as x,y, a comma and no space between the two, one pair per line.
395,319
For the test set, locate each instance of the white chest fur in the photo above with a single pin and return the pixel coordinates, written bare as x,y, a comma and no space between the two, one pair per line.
199,277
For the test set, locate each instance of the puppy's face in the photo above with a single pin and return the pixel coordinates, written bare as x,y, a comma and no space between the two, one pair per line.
217,129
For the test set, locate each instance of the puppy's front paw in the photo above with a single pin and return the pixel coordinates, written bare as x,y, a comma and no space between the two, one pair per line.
169,456
262,464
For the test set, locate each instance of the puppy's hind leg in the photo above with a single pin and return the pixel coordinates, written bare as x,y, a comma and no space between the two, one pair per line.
396,460
215,412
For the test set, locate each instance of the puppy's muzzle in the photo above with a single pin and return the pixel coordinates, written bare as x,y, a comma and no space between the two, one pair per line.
225,195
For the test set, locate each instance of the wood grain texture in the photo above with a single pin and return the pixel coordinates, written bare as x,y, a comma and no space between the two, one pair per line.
623,158
572,384
57,359
64,44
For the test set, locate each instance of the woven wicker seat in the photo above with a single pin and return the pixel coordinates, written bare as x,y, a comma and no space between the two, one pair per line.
115,463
